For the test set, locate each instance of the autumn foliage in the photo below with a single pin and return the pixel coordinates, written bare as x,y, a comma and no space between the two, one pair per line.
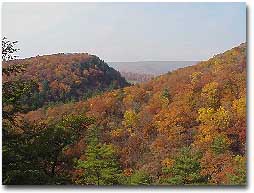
185,127
66,77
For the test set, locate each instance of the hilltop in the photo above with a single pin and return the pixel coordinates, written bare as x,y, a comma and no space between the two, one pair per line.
66,77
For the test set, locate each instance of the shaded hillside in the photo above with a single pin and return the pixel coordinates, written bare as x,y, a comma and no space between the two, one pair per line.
184,127
150,67
65,77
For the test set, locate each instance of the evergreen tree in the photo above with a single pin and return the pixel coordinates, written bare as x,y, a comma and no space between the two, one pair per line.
165,95
185,170
100,166
138,177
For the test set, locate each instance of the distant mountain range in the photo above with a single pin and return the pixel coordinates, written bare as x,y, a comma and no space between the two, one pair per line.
134,78
150,67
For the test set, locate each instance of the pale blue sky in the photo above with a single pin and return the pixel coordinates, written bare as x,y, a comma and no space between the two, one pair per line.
126,31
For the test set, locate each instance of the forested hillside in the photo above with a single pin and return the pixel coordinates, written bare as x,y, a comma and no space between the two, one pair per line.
65,77
185,127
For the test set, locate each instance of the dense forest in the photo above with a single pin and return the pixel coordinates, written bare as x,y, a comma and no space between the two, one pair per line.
65,77
186,127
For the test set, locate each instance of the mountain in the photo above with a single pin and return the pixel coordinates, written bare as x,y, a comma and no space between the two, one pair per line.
137,77
65,77
150,67
184,127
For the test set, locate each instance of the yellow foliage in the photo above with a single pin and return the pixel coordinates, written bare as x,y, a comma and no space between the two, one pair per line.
116,133
210,94
195,77
205,137
168,162
217,67
205,115
210,89
222,118
130,118
219,118
239,106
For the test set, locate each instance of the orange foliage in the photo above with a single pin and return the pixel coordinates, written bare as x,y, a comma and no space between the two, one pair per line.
206,111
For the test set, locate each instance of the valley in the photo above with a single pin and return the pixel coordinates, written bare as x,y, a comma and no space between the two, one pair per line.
186,126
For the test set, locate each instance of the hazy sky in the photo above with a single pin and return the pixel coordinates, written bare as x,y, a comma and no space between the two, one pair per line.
126,31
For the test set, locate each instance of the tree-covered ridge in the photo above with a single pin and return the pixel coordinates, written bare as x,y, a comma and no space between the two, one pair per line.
66,77
184,127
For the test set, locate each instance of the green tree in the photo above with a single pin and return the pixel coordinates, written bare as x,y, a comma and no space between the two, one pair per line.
20,166
139,177
220,144
55,138
100,166
239,176
165,96
40,150
13,93
185,170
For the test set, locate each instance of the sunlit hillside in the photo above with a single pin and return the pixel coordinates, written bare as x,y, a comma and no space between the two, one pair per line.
184,127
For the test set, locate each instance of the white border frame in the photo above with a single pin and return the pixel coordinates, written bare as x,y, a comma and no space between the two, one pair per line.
250,126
